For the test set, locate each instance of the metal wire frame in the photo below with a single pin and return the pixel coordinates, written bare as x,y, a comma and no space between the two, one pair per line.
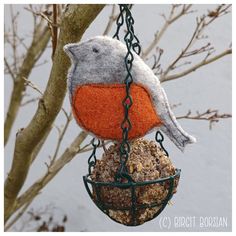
94,187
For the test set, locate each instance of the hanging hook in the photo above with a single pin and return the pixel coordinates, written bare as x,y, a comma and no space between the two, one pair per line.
160,138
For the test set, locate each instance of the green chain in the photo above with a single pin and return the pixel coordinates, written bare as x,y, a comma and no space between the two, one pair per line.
93,159
132,43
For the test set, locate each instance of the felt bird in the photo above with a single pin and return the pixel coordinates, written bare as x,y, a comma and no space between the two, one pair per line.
96,90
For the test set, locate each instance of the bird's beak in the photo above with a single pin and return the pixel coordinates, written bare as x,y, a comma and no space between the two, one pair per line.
69,49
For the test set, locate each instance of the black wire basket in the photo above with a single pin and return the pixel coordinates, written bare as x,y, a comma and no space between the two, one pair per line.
133,210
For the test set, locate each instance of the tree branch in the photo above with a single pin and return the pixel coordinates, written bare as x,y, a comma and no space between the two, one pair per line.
54,30
210,115
60,138
195,67
201,25
112,19
168,21
9,70
14,38
33,86
18,216
65,158
30,101
38,45
75,21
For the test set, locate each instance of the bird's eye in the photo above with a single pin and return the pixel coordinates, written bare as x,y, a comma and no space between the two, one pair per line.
95,50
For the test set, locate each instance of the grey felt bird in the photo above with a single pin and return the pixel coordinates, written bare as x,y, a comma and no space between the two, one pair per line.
96,90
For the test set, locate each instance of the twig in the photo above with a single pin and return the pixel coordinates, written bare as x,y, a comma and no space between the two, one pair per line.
68,115
196,66
104,146
24,68
85,149
30,101
41,64
182,64
201,25
34,19
206,48
184,51
81,150
60,138
21,41
14,41
168,21
9,69
156,64
42,14
210,115
33,86
112,19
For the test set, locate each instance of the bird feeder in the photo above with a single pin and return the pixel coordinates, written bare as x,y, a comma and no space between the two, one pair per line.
135,179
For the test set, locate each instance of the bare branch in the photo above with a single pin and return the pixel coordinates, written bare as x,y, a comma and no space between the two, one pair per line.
39,146
33,86
156,64
34,19
185,50
14,40
75,17
60,138
41,64
9,70
30,101
173,16
112,19
196,66
36,48
65,158
86,147
68,155
206,48
210,115
201,25
44,15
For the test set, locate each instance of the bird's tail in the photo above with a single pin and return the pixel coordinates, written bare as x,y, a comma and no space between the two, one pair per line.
173,129
178,136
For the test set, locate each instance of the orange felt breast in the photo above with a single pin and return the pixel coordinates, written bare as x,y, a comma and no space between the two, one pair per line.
98,108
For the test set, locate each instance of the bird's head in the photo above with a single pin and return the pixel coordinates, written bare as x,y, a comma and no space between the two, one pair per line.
99,48
99,56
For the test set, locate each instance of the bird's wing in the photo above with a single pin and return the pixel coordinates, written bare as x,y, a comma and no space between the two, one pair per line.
144,75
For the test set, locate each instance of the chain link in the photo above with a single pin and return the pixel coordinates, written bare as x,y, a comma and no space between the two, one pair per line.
132,44
93,159
119,22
